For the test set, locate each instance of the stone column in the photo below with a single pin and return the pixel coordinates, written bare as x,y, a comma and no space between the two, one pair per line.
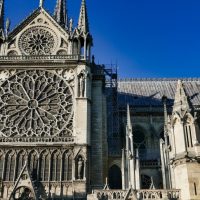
123,170
132,164
163,163
137,171
73,169
85,170
85,48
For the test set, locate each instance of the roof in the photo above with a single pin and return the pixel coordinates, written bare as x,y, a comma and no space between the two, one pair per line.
149,92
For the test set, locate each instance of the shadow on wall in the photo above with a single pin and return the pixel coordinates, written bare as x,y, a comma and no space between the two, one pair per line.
138,100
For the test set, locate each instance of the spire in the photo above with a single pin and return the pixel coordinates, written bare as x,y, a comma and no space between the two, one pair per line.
181,102
41,3
1,18
129,124
61,13
83,24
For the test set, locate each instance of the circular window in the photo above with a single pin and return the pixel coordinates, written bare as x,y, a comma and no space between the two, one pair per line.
38,41
35,103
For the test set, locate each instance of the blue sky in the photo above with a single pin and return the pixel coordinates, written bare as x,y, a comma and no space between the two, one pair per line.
146,38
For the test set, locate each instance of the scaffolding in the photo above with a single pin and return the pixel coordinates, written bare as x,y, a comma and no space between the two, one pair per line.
114,139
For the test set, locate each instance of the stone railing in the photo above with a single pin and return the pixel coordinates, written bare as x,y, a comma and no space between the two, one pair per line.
159,194
30,140
139,194
52,58
110,194
149,163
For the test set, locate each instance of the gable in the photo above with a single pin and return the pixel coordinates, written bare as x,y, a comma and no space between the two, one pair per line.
39,34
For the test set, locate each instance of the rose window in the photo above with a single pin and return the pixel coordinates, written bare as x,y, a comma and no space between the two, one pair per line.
38,41
35,103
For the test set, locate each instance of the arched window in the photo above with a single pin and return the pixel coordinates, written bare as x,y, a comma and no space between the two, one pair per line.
139,141
75,47
33,164
20,162
10,166
1,166
145,181
55,166
82,46
188,135
67,167
44,166
115,177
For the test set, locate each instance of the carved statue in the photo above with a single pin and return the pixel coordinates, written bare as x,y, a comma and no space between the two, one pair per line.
82,85
80,168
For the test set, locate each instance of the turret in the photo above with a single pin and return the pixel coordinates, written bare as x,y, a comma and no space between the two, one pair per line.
184,152
82,44
61,13
1,19
185,129
83,24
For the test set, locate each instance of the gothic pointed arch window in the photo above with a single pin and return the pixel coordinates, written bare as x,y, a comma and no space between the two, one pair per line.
139,140
67,166
21,158
44,166
33,164
1,166
115,177
76,47
145,181
10,166
56,166
188,132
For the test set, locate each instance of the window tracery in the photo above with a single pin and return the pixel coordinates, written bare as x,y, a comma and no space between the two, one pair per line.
33,164
145,181
67,166
35,103
21,158
10,166
38,41
1,166
56,166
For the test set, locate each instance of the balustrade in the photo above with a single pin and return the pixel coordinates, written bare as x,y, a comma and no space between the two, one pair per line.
140,194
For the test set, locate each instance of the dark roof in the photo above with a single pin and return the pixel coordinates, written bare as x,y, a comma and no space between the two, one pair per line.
149,92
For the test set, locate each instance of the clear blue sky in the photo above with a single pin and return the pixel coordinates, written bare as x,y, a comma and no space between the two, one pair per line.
147,38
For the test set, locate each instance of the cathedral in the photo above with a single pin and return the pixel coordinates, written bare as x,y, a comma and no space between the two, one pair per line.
71,129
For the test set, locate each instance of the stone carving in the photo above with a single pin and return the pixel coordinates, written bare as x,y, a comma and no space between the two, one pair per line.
81,86
68,75
23,193
80,168
35,103
5,74
82,83
38,41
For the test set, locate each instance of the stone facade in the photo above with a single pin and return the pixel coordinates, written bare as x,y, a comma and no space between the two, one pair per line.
65,133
